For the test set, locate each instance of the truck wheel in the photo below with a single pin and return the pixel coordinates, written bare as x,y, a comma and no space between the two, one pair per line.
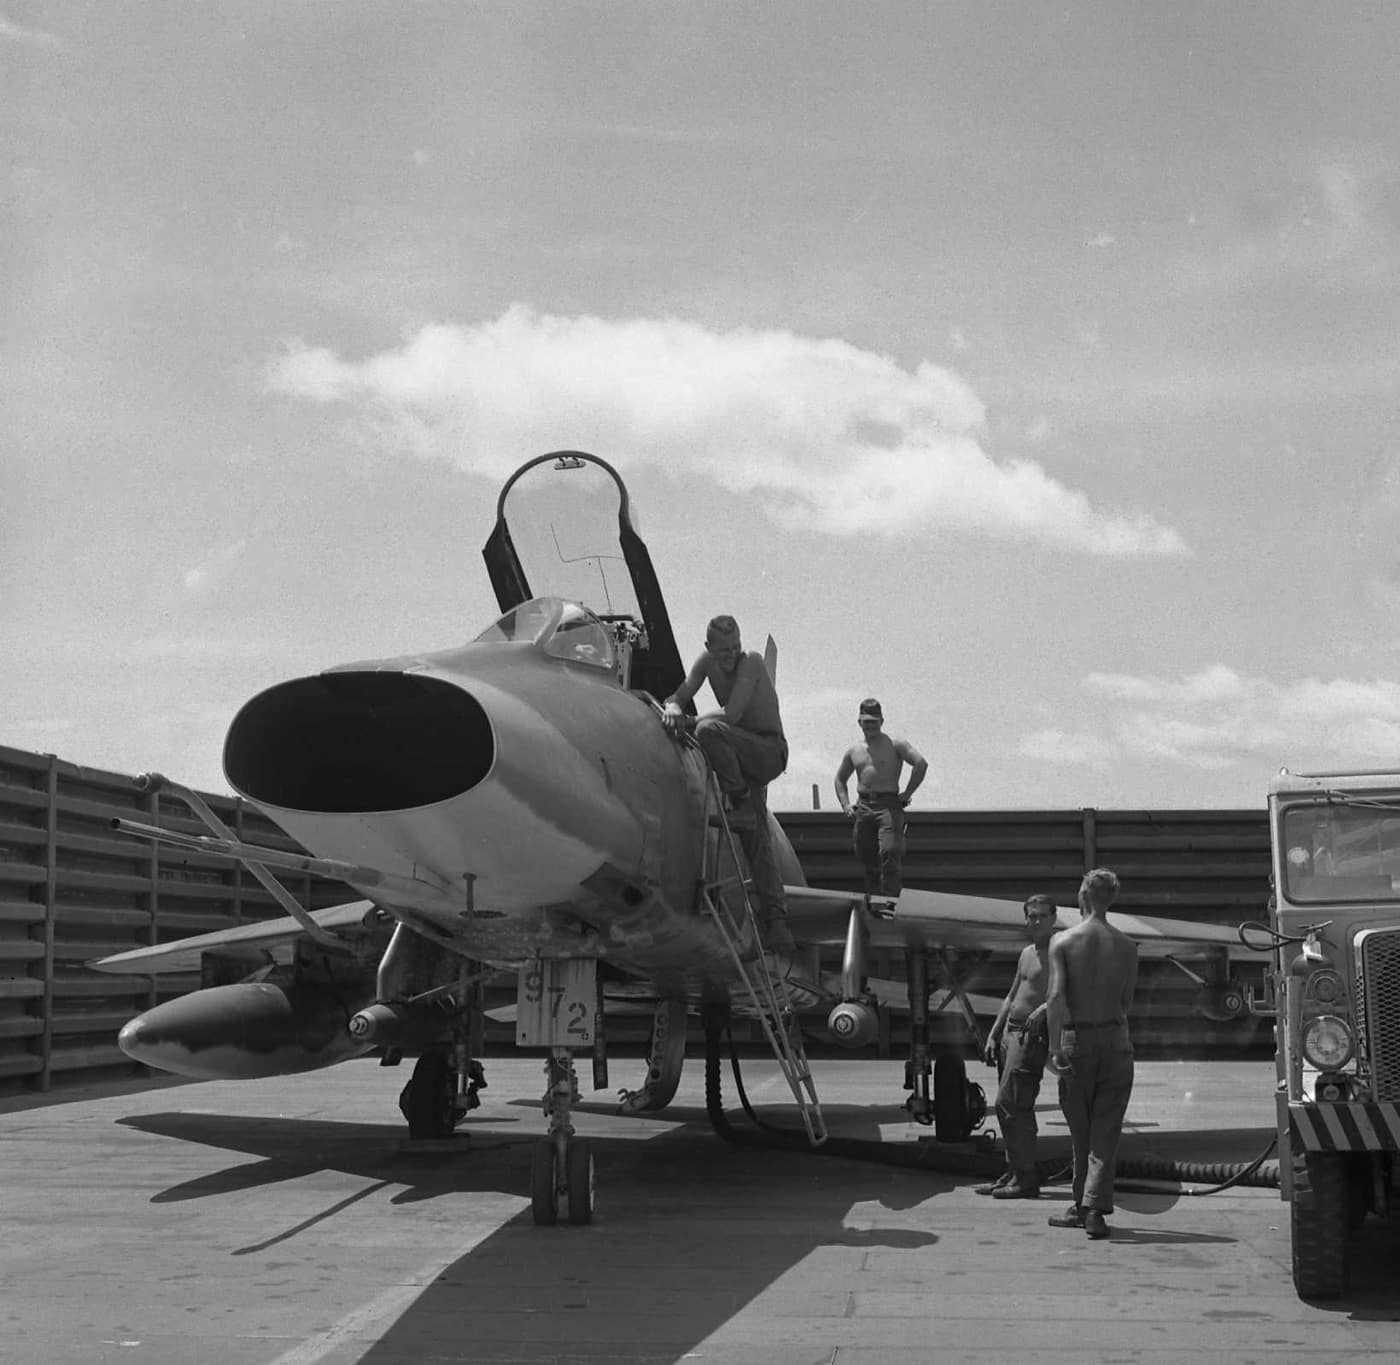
1319,1217
1358,1190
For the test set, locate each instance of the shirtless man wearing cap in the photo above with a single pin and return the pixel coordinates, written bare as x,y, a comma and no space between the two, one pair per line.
877,762
1093,970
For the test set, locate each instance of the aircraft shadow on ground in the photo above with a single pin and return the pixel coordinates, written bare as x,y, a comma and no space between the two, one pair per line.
657,1272
292,1148
660,1270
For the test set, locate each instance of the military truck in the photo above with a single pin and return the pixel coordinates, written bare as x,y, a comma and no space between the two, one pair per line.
1335,988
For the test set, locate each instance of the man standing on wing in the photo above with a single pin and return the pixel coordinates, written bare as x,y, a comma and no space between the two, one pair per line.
877,762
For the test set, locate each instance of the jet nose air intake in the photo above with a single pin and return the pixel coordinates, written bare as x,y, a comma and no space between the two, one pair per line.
359,741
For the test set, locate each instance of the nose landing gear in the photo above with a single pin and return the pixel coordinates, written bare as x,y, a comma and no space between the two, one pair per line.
562,1176
558,1008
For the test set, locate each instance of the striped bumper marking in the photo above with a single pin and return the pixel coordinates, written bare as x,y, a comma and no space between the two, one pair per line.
1345,1127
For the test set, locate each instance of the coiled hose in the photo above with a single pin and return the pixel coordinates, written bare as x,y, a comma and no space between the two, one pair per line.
1132,1174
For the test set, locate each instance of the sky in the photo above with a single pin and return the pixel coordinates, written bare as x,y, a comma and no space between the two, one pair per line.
1034,369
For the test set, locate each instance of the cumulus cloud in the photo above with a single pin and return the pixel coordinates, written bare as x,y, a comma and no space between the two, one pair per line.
1211,684
820,433
1218,718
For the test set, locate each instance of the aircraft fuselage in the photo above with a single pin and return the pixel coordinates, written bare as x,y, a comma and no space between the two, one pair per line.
542,808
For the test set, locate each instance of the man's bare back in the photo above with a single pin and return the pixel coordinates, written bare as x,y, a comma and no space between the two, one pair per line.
746,693
1093,969
1099,967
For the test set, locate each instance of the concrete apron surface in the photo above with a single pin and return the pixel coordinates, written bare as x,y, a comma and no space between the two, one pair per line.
290,1222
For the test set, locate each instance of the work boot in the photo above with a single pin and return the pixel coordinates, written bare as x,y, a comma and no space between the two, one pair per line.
1094,1225
999,1183
1072,1217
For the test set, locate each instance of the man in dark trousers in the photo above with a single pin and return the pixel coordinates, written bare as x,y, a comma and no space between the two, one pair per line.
746,748
1093,970
1020,1039
877,763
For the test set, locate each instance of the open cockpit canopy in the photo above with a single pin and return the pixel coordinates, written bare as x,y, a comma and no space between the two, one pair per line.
569,538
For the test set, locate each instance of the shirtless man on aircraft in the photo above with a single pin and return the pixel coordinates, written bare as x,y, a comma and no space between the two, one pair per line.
877,762
745,745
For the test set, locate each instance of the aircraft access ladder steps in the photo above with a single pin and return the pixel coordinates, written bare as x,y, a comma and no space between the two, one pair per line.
767,989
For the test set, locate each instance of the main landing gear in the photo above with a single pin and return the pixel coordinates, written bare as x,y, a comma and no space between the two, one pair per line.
433,1102
957,1106
1222,998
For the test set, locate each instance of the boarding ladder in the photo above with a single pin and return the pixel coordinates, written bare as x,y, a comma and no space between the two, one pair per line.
766,987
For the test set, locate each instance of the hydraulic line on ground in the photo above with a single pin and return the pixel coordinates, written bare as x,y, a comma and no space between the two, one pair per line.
975,1158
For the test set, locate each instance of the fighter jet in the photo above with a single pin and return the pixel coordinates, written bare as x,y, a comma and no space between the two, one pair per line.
516,804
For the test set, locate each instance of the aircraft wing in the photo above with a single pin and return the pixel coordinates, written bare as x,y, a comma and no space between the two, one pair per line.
353,921
938,919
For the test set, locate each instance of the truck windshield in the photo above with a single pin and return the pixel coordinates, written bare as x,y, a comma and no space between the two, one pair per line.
1341,853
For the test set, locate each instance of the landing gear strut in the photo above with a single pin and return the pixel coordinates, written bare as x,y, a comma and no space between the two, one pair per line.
918,1068
561,1167
557,1001
957,1106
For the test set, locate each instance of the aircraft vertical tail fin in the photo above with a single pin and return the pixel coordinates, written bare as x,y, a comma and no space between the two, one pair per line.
770,659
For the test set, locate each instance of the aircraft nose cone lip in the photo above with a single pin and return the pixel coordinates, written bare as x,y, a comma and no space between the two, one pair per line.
134,1038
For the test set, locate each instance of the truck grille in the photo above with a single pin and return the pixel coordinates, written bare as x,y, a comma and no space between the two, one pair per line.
1378,1006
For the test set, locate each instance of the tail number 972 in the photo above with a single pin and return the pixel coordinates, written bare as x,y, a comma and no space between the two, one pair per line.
556,998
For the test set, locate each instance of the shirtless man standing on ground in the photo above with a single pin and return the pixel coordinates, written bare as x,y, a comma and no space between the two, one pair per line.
1018,1041
1093,970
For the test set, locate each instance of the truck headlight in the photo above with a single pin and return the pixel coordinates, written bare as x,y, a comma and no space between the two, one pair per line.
1327,1042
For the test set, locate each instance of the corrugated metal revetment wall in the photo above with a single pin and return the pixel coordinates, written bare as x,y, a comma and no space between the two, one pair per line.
1207,866
71,889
